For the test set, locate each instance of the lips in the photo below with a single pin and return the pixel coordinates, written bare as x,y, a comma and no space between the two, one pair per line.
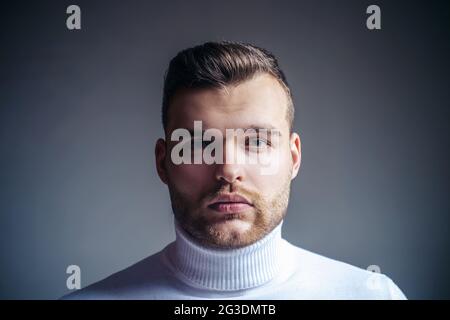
230,203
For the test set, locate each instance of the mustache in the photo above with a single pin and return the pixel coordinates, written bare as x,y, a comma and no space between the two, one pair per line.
228,189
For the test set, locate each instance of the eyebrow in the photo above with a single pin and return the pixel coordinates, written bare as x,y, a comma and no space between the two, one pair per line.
271,130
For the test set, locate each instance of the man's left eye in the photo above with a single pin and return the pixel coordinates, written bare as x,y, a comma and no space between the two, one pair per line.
257,142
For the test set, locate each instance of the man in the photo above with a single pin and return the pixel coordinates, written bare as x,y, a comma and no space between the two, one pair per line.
228,214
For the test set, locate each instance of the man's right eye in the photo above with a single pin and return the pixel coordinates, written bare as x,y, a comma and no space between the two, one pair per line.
199,143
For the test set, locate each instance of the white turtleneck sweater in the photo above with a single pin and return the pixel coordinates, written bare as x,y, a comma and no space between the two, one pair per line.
271,268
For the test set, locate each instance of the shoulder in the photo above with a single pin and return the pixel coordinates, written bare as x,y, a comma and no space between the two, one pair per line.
143,279
333,279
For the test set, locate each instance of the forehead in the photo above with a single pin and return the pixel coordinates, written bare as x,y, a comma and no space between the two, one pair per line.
260,101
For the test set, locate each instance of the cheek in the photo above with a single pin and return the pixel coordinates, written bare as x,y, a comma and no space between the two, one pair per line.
272,176
190,178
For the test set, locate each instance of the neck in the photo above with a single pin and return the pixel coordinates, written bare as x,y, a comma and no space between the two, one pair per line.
227,269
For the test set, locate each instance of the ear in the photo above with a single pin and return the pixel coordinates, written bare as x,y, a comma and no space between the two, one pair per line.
160,156
296,153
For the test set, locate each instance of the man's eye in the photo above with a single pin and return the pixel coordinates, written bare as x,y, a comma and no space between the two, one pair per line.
199,143
257,143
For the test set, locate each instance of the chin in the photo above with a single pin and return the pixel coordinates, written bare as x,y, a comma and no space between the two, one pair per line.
230,233
230,226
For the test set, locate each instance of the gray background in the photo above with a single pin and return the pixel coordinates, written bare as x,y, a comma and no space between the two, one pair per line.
80,113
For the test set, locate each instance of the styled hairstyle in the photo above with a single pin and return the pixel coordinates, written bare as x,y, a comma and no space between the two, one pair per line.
218,64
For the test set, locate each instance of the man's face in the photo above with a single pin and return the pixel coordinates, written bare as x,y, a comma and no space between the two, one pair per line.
232,204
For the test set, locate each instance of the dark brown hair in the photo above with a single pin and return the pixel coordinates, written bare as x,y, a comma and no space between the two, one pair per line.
218,64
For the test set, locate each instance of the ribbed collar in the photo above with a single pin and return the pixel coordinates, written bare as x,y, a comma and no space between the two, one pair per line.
228,269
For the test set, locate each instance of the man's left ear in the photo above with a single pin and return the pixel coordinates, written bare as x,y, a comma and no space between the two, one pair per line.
296,153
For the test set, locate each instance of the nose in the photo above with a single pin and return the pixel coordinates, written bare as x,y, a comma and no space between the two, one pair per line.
230,170
228,173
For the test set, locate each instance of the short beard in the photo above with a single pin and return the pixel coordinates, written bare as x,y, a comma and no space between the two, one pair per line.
268,215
